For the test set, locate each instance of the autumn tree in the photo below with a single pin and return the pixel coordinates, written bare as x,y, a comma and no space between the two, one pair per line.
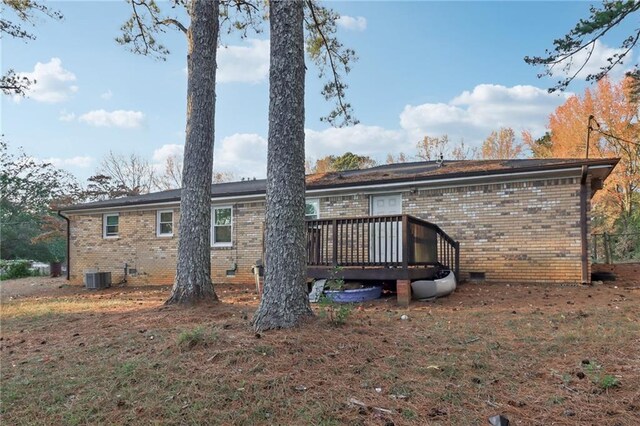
346,161
23,12
501,145
461,151
615,133
540,147
572,52
397,158
433,148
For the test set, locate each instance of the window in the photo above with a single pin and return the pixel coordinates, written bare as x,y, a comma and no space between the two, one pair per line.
312,209
165,223
110,223
222,222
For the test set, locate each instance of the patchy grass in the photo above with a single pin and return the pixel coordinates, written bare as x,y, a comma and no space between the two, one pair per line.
536,354
188,339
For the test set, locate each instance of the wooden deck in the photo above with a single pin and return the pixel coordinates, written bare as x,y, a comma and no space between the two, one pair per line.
397,247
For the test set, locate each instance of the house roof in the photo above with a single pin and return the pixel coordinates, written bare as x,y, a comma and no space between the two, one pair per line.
423,171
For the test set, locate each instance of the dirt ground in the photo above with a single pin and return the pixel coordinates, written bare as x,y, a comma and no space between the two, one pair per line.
538,354
34,286
627,274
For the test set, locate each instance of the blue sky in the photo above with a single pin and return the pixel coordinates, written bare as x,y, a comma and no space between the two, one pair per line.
425,68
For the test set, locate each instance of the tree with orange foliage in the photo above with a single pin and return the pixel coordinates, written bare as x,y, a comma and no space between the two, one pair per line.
615,133
501,145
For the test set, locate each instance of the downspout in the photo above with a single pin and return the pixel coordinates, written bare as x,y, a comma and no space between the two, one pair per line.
68,244
584,252
583,226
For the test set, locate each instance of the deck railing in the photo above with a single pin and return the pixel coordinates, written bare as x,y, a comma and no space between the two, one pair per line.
396,241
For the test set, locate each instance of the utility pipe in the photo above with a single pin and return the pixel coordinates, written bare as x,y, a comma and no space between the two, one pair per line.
584,248
68,243
583,226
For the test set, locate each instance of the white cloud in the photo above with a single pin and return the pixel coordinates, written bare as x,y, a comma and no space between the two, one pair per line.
473,114
243,154
244,64
161,154
351,23
53,83
360,139
106,95
119,118
599,58
77,161
66,116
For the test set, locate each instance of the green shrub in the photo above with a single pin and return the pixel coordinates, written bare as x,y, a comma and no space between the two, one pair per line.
336,313
15,269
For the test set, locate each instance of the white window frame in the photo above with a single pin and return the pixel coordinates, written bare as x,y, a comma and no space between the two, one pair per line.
213,226
316,203
104,225
158,223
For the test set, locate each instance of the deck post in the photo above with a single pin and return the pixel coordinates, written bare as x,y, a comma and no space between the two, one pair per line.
457,260
403,288
405,242
334,224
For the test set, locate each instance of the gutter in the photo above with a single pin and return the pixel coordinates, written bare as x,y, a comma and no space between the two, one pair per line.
583,227
450,182
68,243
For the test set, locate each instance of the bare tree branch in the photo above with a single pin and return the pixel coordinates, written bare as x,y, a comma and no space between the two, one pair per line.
15,84
12,83
25,11
583,37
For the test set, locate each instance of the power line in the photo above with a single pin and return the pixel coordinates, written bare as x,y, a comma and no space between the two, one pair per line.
602,132
616,137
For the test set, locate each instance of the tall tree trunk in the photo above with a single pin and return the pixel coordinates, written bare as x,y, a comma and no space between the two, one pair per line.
193,276
284,301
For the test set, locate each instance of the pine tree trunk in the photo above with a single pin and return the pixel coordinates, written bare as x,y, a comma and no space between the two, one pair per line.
193,275
284,301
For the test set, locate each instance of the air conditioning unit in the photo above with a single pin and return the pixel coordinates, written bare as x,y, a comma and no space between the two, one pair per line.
97,280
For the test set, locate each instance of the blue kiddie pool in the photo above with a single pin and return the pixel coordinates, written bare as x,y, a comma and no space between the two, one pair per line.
354,296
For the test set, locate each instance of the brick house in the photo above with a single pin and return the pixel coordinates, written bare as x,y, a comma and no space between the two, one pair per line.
514,220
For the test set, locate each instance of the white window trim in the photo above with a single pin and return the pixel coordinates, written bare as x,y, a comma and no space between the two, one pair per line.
104,225
314,201
158,215
213,218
